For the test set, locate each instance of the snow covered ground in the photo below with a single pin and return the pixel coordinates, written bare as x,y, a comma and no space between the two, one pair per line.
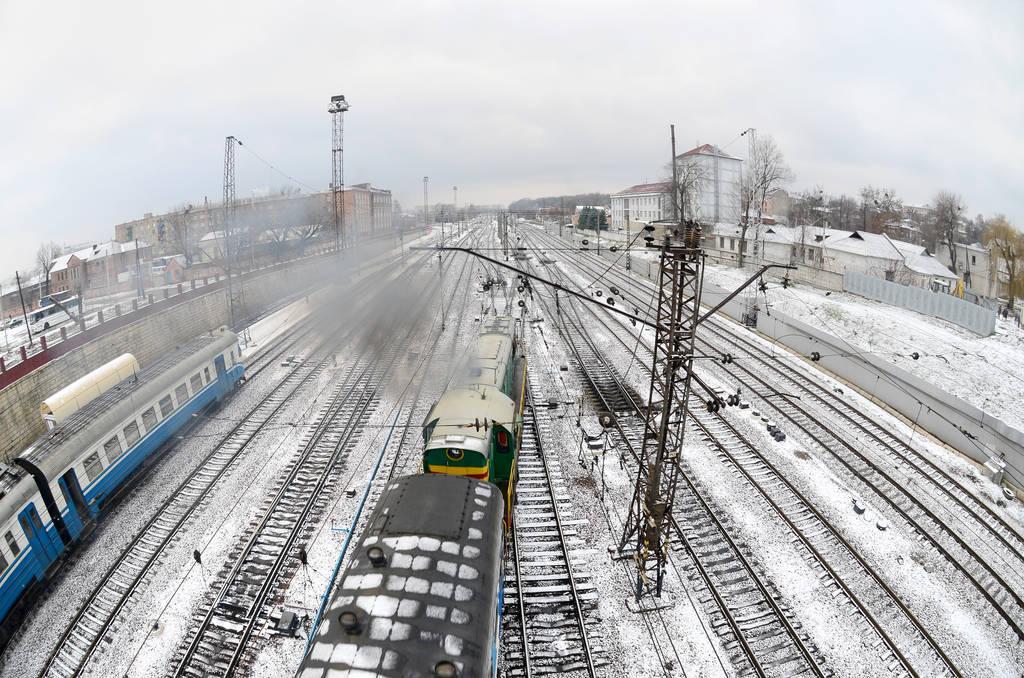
987,372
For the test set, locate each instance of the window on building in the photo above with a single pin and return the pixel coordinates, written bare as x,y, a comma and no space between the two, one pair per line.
732,244
196,382
131,434
166,406
93,466
974,260
12,543
721,242
149,419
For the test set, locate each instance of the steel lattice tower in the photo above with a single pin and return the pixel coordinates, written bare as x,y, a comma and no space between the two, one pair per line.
337,110
649,525
236,291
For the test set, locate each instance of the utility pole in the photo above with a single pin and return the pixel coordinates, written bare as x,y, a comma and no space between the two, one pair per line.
629,261
676,216
138,270
337,109
426,180
24,313
649,525
455,206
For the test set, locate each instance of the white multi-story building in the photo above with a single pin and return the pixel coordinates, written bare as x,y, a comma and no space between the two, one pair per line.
641,203
713,178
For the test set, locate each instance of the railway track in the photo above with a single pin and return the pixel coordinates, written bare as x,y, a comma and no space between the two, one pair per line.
270,553
888,469
882,611
759,632
551,612
114,592
224,627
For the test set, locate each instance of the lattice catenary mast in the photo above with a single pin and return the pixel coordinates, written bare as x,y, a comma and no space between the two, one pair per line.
649,525
236,291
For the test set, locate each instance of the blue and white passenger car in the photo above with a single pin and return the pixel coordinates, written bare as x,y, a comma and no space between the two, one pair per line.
63,482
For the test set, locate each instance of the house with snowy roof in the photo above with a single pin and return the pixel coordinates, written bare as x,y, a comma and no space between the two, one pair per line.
832,251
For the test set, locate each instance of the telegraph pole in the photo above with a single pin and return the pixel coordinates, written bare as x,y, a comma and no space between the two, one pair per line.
649,525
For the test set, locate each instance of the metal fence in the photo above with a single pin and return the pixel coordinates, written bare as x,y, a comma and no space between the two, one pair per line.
957,311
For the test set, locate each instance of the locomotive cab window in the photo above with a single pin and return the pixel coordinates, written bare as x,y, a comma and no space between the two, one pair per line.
12,543
149,419
166,406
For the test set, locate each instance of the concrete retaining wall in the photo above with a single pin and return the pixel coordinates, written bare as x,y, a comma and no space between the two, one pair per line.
965,314
955,422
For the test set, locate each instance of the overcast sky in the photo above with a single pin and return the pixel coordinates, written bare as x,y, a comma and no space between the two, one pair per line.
110,110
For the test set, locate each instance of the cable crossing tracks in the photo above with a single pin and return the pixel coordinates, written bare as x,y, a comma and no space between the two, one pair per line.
550,621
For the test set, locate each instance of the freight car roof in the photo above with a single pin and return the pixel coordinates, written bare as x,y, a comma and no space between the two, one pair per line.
82,425
422,586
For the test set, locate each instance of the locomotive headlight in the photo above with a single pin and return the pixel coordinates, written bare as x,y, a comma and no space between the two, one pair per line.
445,669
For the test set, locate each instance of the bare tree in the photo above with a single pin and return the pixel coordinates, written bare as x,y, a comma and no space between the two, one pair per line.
767,171
182,236
1007,244
945,224
690,178
46,257
879,206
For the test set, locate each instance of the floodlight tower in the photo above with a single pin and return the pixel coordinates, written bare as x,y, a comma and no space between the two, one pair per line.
337,109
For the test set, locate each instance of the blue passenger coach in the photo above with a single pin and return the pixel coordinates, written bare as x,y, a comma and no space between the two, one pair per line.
63,482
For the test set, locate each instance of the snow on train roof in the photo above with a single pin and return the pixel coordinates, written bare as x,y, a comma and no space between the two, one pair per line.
421,587
15,489
87,425
452,407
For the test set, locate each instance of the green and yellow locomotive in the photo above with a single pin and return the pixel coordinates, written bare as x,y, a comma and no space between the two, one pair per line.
474,428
